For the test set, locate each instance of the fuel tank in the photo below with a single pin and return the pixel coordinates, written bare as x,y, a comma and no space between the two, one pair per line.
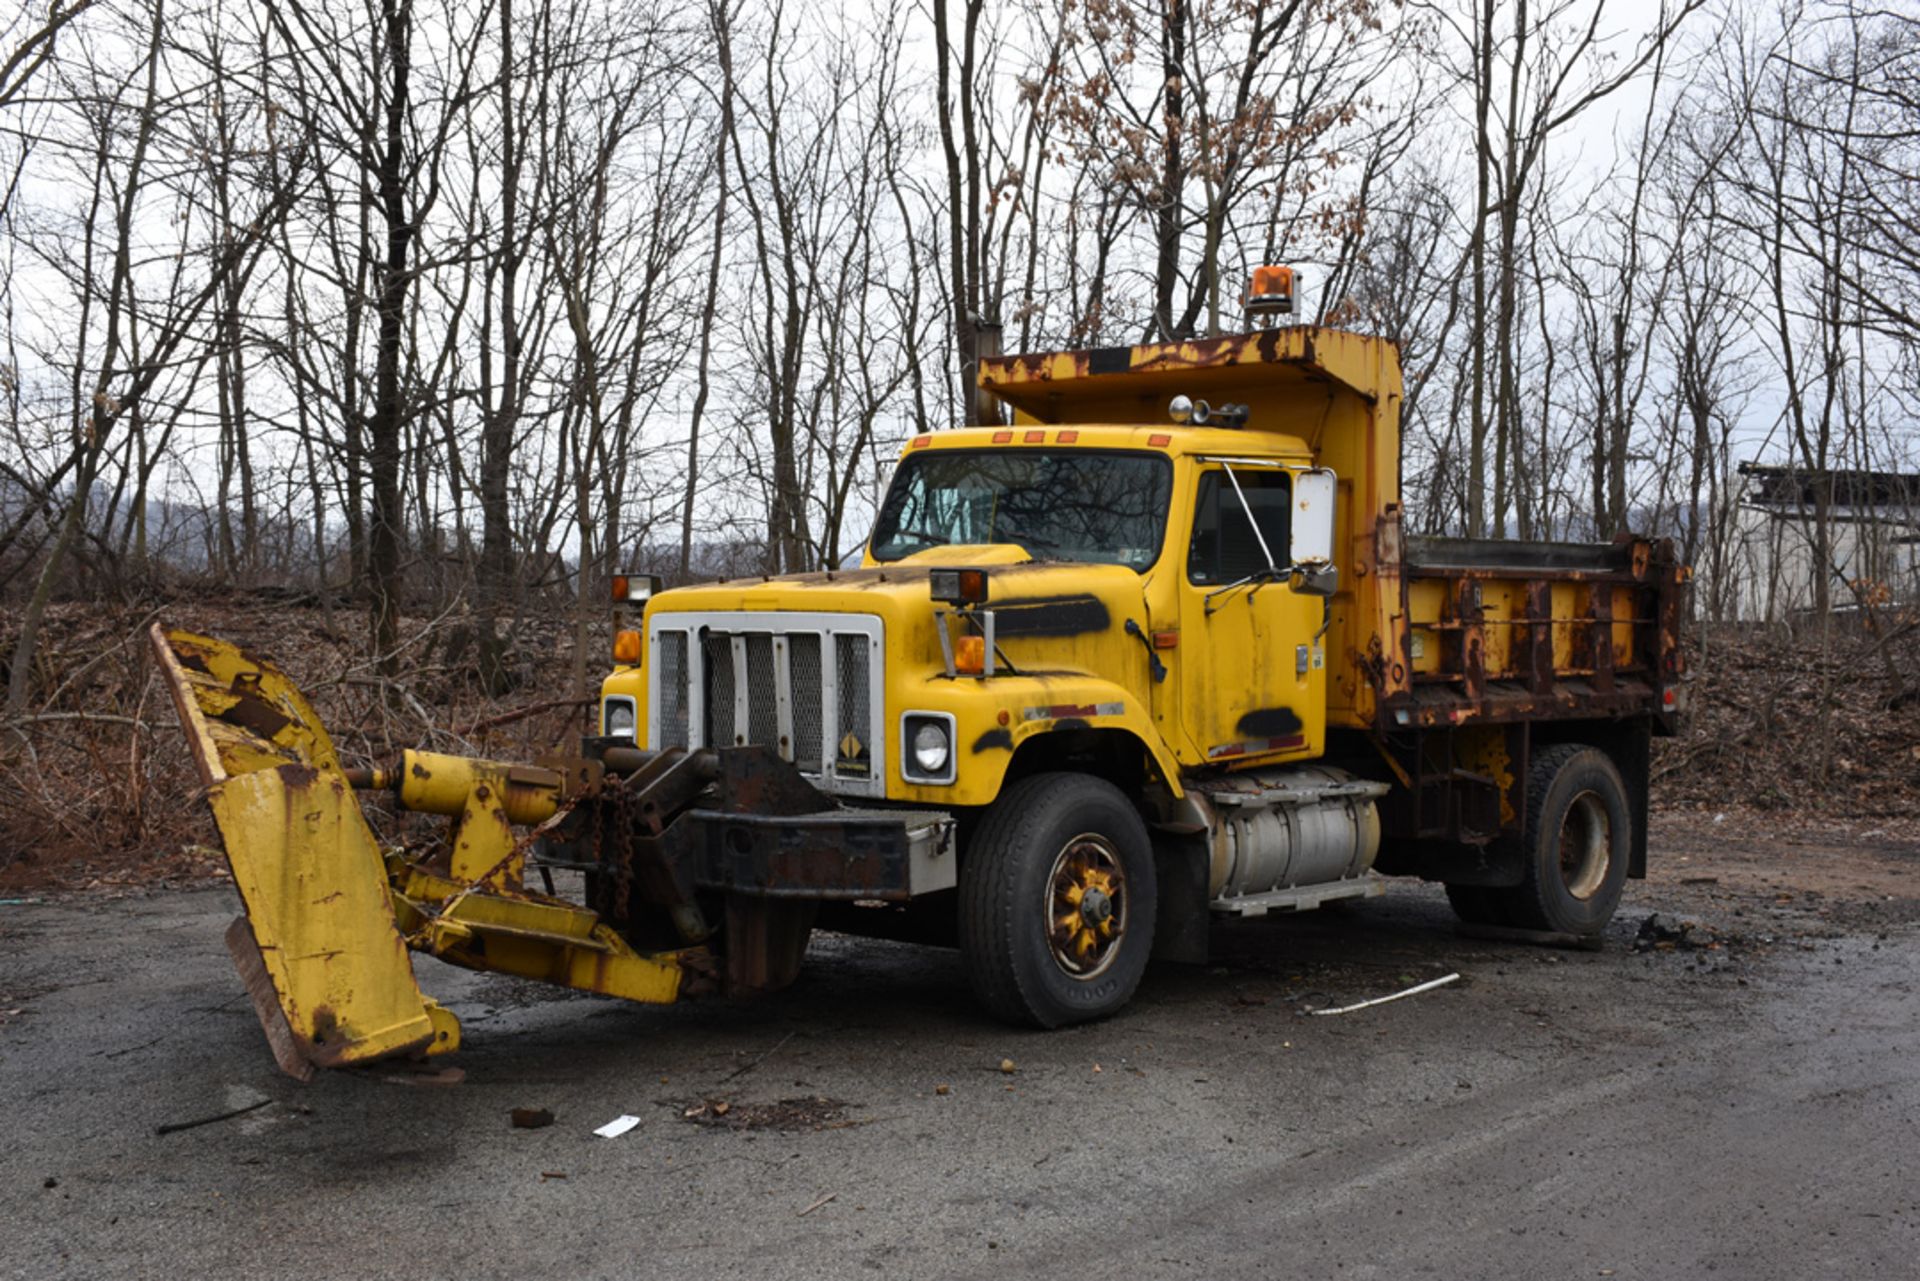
1287,827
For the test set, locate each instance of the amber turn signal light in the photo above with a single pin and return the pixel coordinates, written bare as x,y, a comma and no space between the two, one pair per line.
970,655
626,647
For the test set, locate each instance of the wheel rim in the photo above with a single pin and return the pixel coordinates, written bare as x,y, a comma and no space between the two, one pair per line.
1086,906
1586,845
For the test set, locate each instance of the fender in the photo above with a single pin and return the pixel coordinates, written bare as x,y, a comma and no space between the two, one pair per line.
996,717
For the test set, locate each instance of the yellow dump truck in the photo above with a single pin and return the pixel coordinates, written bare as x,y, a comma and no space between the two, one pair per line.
1153,650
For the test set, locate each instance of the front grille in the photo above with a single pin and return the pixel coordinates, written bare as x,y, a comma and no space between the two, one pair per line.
720,730
766,678
803,661
851,755
763,722
672,662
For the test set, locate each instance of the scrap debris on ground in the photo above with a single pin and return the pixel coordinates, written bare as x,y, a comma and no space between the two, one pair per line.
1666,933
809,1113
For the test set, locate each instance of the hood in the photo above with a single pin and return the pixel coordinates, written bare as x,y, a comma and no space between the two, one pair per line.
1060,617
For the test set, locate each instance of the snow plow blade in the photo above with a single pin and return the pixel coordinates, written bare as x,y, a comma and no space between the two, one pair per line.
319,949
701,871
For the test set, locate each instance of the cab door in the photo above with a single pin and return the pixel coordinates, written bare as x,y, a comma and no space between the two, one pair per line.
1252,670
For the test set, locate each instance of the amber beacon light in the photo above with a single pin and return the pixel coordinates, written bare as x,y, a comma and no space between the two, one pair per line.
1273,291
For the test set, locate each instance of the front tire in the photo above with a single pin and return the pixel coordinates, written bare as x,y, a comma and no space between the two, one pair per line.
1057,901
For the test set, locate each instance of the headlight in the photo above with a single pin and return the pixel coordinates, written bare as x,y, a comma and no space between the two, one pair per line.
931,748
928,740
617,718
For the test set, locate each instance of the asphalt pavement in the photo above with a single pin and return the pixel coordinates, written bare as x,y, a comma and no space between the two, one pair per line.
1741,1102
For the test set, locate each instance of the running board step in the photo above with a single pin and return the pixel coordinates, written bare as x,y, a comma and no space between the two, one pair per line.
1301,898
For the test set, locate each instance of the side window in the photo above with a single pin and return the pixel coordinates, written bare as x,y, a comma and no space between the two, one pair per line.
1224,549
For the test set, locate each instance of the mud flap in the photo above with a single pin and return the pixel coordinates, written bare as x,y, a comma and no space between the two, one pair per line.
1182,923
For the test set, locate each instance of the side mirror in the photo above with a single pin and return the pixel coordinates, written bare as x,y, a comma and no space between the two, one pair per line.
1311,542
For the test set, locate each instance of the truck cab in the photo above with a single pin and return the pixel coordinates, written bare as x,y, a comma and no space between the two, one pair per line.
1153,649
1129,580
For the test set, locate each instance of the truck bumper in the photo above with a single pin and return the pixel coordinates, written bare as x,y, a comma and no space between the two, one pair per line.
836,854
666,827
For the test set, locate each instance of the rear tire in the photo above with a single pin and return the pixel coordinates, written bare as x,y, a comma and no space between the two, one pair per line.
1576,844
1057,901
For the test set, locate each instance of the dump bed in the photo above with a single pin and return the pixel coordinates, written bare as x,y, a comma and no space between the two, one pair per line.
1495,632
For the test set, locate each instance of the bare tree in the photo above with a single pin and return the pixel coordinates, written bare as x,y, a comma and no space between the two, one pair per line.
127,347
1531,72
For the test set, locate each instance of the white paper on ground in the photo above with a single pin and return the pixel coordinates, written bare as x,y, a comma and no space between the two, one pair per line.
617,1127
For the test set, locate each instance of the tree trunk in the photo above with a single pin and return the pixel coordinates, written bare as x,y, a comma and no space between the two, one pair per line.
1166,264
102,409
384,428
496,445
723,43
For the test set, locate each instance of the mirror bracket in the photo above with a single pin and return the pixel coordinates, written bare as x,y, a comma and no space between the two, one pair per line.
1315,580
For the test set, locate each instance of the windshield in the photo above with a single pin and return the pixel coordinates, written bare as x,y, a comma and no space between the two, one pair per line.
1072,505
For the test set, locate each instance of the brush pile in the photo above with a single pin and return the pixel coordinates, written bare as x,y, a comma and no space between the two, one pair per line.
97,790
1805,730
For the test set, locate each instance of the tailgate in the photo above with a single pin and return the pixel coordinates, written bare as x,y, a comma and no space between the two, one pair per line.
1498,631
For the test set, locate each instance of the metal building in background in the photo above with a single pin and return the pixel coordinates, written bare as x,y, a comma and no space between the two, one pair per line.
1873,540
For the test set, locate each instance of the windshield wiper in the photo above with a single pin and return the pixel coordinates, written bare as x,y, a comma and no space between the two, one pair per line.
927,537
1259,578
1029,541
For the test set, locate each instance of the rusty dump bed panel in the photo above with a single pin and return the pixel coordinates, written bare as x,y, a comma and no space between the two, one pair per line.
1496,631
